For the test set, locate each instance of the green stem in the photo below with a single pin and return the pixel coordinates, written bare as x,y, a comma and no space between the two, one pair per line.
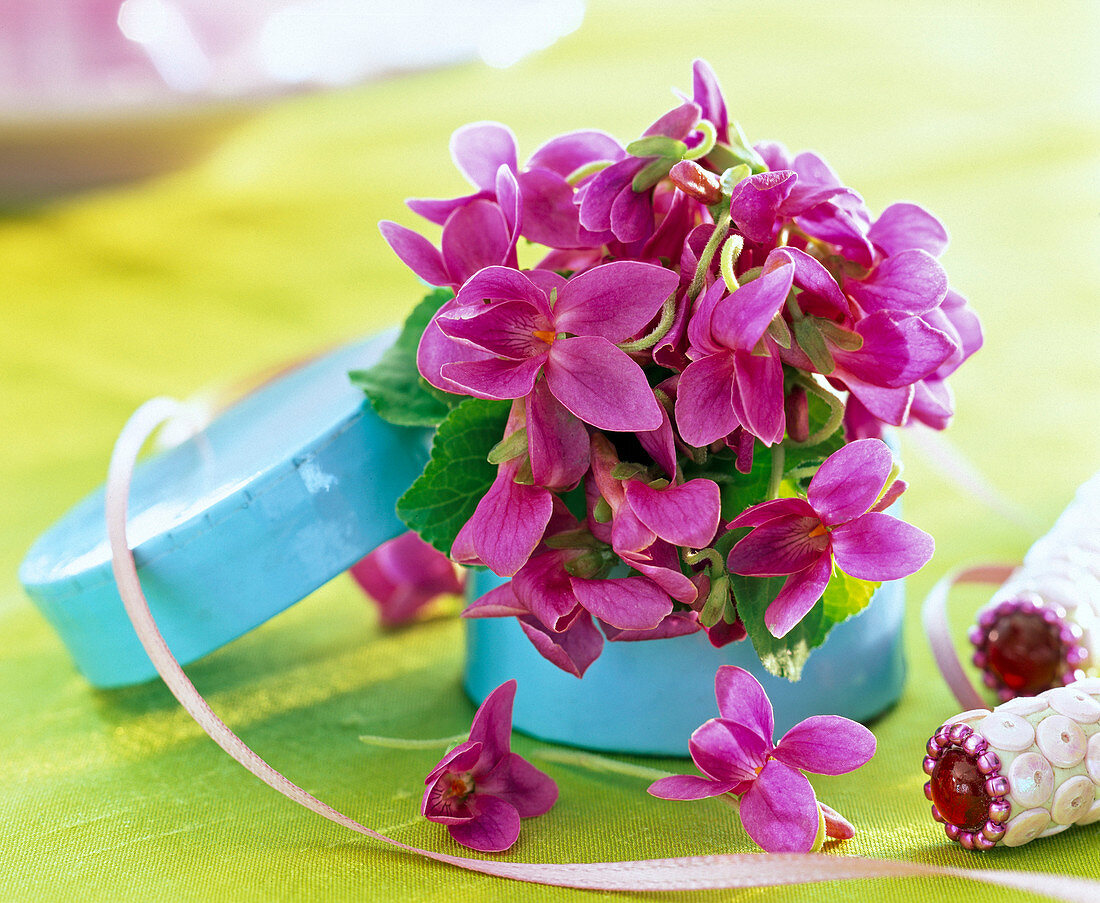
731,250
710,136
836,413
721,230
668,314
594,762
776,476
710,555
402,743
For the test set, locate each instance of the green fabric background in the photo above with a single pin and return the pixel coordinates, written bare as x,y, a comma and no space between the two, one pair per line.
268,250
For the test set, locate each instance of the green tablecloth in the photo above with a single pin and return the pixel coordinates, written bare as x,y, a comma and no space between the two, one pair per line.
268,250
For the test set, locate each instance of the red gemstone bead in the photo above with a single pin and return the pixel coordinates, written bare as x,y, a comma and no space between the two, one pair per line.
1025,652
958,790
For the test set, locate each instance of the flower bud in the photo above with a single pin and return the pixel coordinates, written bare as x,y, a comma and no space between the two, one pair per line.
696,182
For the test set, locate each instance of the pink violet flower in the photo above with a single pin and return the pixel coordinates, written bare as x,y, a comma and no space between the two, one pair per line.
735,752
505,331
403,575
840,519
481,789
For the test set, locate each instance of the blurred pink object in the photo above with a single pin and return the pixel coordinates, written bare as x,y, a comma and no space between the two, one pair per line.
403,575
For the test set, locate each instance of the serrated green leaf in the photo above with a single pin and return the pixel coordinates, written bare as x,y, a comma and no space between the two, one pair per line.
457,475
657,146
846,596
785,656
394,386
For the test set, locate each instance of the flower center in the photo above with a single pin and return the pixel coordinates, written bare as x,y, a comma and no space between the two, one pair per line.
819,530
459,787
546,335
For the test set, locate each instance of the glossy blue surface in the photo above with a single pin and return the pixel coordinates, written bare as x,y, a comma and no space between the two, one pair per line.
648,697
287,489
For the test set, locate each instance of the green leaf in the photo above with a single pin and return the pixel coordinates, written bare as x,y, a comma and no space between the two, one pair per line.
457,475
846,596
786,656
657,146
652,174
737,490
394,386
810,340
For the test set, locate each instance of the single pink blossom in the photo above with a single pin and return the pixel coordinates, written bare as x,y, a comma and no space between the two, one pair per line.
403,575
840,519
736,754
481,789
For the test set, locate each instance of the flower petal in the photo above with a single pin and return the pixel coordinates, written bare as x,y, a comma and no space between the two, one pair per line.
474,237
494,378
903,226
799,594
517,781
740,319
601,384
542,586
756,201
826,744
630,603
689,787
556,441
601,193
565,154
770,510
704,399
684,515
880,547
417,253
508,522
462,758
896,351
783,545
479,149
572,650
493,829
500,283
741,699
499,602
912,281
492,724
849,481
549,214
437,350
507,329
758,399
614,300
811,276
728,751
779,811
679,623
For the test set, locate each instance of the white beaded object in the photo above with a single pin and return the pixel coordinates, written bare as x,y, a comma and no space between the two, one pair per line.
1019,772
1042,627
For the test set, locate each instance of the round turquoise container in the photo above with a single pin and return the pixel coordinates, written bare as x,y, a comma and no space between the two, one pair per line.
647,697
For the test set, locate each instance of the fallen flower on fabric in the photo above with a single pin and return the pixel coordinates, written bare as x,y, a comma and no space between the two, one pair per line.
403,575
841,518
481,789
736,754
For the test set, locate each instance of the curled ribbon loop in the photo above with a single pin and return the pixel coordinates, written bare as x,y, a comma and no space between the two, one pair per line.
677,874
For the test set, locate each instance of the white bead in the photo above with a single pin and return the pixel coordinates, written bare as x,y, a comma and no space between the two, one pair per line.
972,717
1023,706
1053,829
1061,740
1075,704
1091,816
1006,731
1031,780
1087,685
1072,800
1025,826
1092,758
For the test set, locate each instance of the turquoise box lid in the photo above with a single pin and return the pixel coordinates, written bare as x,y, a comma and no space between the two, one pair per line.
283,491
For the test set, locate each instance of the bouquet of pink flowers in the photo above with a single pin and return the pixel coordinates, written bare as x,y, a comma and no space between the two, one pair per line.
672,420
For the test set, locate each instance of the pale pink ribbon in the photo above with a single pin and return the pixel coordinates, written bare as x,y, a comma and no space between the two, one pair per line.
937,629
681,873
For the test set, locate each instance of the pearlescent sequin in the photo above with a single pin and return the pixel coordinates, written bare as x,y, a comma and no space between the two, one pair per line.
1061,740
1031,779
